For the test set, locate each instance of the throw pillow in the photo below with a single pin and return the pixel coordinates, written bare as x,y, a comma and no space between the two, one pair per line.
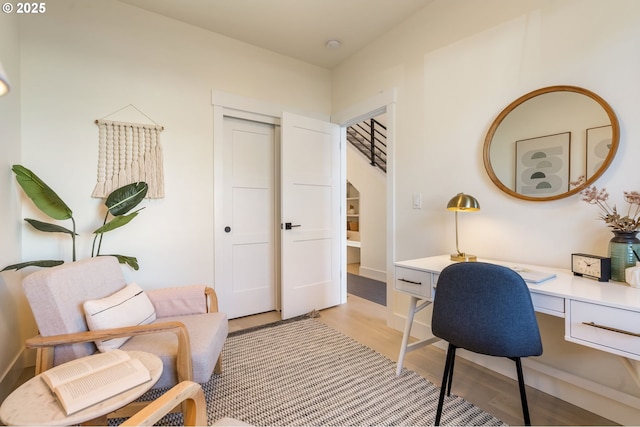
129,306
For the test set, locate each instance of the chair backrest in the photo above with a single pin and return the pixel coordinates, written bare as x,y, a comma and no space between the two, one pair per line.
56,296
487,309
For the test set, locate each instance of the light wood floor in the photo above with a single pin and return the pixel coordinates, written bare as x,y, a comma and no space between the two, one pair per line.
365,322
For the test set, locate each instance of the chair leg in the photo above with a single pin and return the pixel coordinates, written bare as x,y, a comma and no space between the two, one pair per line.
446,381
523,393
453,362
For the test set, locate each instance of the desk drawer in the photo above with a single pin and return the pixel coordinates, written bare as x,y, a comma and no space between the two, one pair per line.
607,328
413,281
548,304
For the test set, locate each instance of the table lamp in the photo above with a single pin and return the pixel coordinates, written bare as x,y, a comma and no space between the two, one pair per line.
462,203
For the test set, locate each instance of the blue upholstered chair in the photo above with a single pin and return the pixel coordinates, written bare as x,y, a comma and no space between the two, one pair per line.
487,309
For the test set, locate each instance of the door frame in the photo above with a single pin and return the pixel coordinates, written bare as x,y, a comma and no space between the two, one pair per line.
383,102
237,106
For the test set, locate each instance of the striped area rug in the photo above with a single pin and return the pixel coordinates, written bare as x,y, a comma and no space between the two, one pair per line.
304,373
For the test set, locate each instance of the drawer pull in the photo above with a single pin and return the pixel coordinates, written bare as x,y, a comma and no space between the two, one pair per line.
609,328
410,281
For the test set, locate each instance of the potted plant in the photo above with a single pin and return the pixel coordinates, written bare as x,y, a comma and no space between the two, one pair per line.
119,204
624,246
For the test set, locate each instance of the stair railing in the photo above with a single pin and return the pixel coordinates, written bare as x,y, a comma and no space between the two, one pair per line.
369,137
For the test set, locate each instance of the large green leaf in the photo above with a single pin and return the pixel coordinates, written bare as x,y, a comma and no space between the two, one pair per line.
47,227
129,260
123,199
43,263
116,222
41,194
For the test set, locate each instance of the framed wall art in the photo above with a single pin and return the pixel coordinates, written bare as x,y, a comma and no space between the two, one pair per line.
542,165
598,146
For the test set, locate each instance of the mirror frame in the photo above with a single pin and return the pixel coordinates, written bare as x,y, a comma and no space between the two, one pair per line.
615,140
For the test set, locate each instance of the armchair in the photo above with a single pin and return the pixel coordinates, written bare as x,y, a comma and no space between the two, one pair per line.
187,393
191,396
188,333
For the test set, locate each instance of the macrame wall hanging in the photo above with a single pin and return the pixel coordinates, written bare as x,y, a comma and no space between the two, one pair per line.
127,153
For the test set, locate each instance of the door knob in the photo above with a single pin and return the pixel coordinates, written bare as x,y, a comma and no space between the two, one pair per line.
227,229
289,226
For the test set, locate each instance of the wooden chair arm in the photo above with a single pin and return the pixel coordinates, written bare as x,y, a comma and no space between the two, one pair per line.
183,358
212,297
188,393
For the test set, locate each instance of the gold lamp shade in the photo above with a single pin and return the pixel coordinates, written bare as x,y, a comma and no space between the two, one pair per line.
462,203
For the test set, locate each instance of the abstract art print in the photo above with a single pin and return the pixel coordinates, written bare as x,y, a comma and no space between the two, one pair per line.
599,141
542,165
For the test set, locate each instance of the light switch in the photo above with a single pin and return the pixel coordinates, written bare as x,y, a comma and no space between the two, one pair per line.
417,200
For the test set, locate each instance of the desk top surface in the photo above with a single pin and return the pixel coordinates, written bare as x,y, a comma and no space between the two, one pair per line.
565,284
33,403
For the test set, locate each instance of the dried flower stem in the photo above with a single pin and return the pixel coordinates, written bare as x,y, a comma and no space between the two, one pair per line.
610,215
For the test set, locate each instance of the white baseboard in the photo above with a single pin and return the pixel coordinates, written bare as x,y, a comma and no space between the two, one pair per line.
609,403
373,273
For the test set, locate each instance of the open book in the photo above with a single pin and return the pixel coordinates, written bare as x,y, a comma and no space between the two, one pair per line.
89,380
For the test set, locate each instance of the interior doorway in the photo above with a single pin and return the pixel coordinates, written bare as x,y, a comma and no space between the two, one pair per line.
366,197
381,104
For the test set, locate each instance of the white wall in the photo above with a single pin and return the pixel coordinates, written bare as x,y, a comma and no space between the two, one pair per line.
83,60
456,65
12,301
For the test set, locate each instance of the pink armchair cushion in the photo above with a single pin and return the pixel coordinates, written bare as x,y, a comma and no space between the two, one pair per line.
129,306
178,301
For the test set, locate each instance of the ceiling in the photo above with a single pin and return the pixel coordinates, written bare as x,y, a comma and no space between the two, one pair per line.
295,28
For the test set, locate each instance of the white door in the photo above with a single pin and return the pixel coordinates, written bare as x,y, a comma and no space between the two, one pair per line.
247,282
310,215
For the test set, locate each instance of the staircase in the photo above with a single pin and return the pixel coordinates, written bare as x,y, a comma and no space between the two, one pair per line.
370,138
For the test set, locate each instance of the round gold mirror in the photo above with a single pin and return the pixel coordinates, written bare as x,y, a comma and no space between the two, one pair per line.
546,139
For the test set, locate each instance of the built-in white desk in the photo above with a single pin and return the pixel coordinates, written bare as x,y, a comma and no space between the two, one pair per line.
602,315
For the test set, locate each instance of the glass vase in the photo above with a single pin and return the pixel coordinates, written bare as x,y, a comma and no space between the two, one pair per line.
621,248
